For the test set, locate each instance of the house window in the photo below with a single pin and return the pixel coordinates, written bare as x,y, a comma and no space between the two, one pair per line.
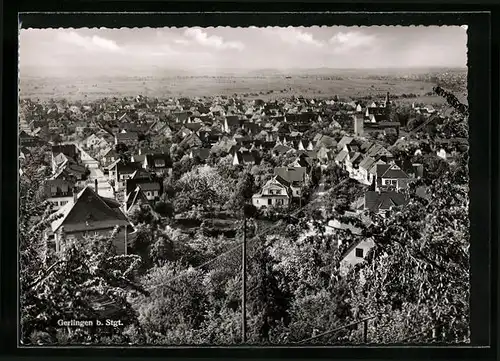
359,252
159,163
269,201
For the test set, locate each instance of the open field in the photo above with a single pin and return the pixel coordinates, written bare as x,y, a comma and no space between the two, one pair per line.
263,87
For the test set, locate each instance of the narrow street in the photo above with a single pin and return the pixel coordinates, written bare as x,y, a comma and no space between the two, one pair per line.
104,188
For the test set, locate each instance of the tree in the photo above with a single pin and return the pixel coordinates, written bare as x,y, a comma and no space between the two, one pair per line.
418,272
166,209
245,189
123,151
177,306
69,288
142,214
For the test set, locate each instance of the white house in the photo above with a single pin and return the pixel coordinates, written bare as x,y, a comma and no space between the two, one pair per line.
276,192
355,254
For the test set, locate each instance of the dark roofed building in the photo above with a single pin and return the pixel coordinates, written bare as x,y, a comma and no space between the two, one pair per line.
191,141
382,202
201,153
233,122
181,117
69,150
152,188
158,163
246,158
127,138
295,176
90,214
27,140
133,199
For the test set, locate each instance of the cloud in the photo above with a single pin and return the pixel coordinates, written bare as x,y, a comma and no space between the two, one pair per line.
295,36
213,41
89,42
343,42
181,41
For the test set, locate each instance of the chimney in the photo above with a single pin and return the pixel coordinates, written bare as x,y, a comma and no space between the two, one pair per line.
75,194
96,189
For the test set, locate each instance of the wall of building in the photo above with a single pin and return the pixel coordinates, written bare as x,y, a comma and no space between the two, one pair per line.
260,202
350,260
118,242
59,202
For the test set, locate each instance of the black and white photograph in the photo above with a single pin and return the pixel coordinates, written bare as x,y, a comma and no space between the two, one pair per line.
258,186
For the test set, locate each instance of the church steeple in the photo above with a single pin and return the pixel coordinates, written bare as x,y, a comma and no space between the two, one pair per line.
387,100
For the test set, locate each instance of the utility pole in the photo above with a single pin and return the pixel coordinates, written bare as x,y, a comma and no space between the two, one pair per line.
126,240
365,332
244,282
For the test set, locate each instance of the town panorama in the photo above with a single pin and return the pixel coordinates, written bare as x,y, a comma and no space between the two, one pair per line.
261,207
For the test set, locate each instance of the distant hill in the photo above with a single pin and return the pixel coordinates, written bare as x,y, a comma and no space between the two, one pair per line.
89,73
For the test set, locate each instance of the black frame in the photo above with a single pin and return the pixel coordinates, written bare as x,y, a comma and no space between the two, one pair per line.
480,77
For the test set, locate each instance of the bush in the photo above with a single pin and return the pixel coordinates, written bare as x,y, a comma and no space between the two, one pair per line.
166,209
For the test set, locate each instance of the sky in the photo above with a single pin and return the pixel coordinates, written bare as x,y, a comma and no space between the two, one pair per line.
49,52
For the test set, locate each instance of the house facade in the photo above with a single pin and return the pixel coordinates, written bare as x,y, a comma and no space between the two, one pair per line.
276,192
59,192
89,214
390,177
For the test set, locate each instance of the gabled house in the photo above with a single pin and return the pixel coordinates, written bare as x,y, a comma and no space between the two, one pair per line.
352,161
391,177
343,142
69,150
184,132
191,141
27,140
158,163
364,169
325,155
109,156
128,138
303,160
119,171
62,163
296,177
233,122
94,141
383,202
182,117
281,149
326,141
245,158
90,214
201,153
151,187
276,192
134,200
194,127
163,128
210,137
